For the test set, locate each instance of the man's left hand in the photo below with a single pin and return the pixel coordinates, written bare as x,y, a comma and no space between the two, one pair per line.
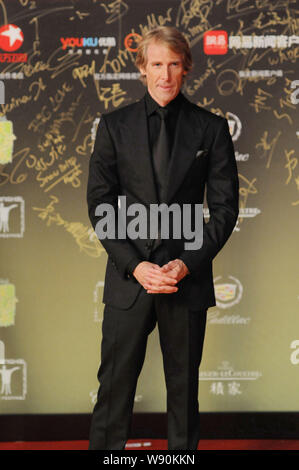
176,269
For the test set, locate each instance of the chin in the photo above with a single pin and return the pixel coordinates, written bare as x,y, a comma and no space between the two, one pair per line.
167,95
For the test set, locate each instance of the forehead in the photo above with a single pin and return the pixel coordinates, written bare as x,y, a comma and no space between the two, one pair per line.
161,51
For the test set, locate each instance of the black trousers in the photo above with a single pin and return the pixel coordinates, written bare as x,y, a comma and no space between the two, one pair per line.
124,340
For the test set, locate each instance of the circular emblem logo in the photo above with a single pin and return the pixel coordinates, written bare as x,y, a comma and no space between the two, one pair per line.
228,293
131,41
235,125
11,37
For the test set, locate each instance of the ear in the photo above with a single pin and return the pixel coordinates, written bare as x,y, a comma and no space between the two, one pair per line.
142,71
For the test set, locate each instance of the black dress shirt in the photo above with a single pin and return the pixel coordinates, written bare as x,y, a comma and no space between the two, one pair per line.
154,123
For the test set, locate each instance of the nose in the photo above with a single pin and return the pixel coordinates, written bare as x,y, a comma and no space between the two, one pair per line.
166,73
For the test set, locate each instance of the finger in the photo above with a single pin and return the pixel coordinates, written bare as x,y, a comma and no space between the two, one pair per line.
159,287
156,267
170,267
162,290
173,274
167,266
159,283
169,273
158,279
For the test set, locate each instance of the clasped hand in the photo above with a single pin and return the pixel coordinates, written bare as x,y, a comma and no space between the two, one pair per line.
160,280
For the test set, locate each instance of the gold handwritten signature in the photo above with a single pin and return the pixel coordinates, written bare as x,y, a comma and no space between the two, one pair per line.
247,187
267,146
83,235
35,89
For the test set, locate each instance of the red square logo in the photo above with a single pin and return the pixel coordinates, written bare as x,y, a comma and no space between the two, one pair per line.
215,42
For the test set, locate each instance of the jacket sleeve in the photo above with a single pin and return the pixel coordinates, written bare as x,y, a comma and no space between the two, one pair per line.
222,187
103,188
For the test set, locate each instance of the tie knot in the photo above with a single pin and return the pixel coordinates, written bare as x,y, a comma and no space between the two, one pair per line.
162,112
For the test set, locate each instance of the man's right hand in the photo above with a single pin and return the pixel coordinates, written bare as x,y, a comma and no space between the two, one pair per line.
154,279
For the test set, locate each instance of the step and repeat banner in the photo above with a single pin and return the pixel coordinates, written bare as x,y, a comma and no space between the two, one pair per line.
64,63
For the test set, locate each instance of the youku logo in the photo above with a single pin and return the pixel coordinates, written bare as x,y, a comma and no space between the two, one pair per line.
161,221
88,42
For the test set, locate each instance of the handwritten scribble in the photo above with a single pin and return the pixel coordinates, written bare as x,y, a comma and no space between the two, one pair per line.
83,235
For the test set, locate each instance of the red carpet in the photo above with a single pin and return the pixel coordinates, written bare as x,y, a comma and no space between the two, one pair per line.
155,444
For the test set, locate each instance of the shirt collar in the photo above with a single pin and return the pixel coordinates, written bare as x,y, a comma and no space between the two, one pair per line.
152,105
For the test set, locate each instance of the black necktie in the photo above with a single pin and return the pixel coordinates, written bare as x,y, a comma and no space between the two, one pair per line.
161,154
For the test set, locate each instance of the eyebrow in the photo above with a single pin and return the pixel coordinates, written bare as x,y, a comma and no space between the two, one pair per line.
158,61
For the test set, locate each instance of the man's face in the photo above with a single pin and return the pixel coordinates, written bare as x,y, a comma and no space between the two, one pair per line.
164,73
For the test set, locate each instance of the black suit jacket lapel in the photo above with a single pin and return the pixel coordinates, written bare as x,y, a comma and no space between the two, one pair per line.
188,138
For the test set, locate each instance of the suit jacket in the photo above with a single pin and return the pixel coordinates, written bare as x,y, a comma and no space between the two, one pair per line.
202,159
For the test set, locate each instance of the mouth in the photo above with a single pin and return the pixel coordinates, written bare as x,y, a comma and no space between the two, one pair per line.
166,87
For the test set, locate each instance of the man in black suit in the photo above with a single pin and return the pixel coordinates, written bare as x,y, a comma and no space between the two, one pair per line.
148,158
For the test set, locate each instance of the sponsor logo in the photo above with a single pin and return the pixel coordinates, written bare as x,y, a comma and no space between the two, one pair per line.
253,74
12,217
215,42
97,300
11,39
13,377
234,124
2,92
7,138
134,445
94,127
215,318
273,41
218,42
131,41
295,94
226,380
11,76
87,44
8,301
294,357
244,212
94,393
241,157
228,293
117,76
